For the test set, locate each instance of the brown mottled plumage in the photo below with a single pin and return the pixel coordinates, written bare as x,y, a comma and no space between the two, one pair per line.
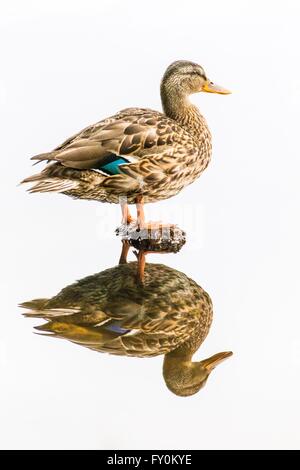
163,152
109,312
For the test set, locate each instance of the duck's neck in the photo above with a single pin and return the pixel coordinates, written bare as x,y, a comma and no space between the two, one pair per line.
177,372
176,360
178,107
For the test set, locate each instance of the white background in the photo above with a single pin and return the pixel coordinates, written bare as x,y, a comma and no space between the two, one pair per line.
66,64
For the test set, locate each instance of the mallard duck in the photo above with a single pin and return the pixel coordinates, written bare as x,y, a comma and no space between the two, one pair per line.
110,312
138,155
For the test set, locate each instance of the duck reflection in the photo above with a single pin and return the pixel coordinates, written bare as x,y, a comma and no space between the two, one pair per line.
111,312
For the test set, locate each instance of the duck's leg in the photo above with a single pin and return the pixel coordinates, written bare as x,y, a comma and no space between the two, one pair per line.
124,252
141,257
141,223
140,212
126,216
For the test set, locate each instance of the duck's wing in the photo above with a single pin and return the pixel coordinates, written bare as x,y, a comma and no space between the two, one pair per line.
131,336
123,327
151,331
133,133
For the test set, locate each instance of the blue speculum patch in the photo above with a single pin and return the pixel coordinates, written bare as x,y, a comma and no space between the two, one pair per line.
112,168
116,329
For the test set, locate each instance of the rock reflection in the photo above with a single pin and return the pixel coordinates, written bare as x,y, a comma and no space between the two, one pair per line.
169,314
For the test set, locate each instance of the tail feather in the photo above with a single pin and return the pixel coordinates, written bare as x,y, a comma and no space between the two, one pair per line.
39,311
53,185
34,304
32,178
54,178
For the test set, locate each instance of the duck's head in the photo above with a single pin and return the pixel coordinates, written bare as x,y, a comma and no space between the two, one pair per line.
185,378
185,78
